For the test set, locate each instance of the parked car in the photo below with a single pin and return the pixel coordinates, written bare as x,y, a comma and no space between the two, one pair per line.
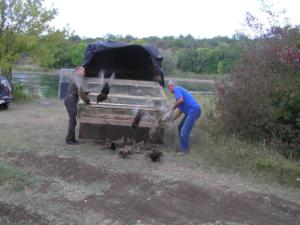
5,93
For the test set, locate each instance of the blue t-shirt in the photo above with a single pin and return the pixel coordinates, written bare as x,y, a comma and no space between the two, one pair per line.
189,104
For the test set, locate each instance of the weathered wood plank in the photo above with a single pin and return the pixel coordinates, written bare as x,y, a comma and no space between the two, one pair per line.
113,132
128,96
128,90
130,99
137,83
114,121
116,112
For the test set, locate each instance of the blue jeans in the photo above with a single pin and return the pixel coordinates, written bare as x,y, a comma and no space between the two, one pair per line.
185,127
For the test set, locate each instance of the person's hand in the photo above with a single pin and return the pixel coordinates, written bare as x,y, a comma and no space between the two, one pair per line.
176,116
174,107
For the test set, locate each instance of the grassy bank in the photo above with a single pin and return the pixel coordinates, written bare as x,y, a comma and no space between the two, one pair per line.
228,153
13,177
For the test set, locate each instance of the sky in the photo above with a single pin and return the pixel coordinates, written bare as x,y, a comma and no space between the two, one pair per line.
144,18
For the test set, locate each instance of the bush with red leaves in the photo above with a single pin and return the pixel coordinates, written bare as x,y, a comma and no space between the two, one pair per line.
262,98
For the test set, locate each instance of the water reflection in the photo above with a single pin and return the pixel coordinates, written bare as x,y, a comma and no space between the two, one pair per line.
47,85
42,85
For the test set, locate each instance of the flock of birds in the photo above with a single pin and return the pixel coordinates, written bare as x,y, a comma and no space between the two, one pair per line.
127,148
123,144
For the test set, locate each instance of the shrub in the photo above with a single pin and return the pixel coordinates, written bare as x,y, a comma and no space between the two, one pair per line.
19,94
262,98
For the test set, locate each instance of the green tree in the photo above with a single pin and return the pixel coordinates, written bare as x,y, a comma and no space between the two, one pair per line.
53,50
202,60
21,23
187,60
170,61
77,53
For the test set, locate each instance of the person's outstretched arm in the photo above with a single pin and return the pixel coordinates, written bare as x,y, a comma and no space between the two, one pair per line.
178,102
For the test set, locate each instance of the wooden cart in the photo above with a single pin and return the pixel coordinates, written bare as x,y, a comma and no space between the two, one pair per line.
112,118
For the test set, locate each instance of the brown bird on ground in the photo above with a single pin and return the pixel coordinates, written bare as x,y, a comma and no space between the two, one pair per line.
137,119
155,155
120,142
124,153
104,93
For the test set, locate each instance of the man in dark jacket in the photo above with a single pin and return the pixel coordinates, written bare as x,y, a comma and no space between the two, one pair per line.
71,101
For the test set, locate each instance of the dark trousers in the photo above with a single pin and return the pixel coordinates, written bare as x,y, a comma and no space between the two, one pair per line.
71,106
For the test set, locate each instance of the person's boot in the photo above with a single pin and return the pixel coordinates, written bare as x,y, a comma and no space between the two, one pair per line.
75,142
71,141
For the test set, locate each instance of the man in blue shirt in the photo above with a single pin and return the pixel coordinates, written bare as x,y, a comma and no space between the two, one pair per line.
187,104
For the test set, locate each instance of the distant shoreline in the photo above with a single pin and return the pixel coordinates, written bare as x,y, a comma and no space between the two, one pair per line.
36,72
56,72
205,81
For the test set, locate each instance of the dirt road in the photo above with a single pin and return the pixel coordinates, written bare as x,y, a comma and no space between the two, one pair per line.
89,185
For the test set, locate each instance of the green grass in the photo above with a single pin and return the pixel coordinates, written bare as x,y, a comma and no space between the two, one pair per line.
14,177
230,153
282,170
234,155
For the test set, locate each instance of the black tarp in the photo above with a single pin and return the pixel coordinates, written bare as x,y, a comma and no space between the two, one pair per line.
127,61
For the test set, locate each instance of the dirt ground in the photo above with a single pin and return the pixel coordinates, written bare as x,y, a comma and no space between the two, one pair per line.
89,185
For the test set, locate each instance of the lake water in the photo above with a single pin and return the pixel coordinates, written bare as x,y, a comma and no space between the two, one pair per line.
42,85
47,85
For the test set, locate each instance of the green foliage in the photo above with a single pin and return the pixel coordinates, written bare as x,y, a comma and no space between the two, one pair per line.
53,51
138,42
286,127
19,93
208,60
57,49
170,61
187,60
22,22
262,98
221,67
77,53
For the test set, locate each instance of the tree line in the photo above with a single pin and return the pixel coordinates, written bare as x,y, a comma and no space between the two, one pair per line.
207,56
25,33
